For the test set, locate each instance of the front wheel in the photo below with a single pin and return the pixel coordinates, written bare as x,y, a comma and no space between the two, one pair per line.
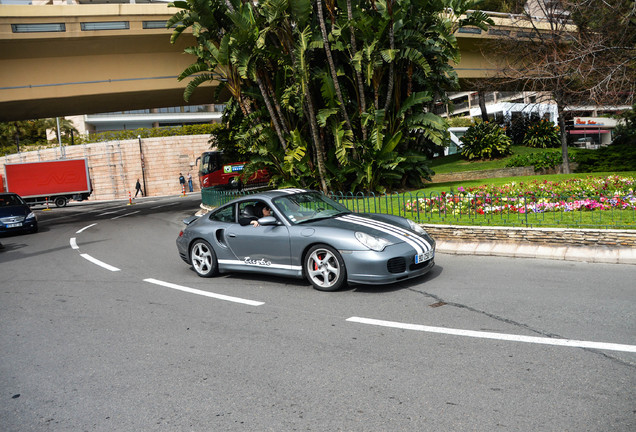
203,259
325,268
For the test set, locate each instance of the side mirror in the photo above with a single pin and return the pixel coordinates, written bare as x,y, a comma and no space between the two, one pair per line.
268,221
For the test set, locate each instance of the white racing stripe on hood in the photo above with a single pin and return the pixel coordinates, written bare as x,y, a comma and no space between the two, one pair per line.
418,243
292,190
410,234
393,229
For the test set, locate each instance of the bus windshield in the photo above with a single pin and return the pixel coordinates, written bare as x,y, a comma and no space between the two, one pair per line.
210,162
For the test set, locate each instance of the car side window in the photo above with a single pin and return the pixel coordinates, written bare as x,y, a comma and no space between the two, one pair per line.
248,211
224,215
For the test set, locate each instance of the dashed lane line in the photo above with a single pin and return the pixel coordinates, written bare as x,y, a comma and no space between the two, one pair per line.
99,263
85,228
204,293
497,336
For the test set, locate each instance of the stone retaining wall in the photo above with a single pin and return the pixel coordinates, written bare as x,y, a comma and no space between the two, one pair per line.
534,236
114,166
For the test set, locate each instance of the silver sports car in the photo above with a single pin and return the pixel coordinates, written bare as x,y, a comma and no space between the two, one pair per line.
302,233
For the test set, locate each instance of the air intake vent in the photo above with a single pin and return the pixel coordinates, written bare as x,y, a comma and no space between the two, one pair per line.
396,265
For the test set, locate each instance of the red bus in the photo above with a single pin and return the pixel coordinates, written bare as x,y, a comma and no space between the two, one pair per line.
216,170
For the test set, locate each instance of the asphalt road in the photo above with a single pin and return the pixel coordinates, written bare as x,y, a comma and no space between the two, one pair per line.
104,328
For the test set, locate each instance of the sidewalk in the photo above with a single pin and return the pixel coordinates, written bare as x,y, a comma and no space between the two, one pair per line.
593,254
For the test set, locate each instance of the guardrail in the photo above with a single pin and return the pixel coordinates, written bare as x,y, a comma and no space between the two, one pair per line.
566,211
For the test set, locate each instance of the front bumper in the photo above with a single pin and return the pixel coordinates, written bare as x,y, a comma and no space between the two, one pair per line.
26,225
393,264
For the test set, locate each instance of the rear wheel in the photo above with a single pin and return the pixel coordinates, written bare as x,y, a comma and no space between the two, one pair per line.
60,201
325,268
236,183
203,258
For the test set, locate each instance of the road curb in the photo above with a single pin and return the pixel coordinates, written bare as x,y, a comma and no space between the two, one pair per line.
599,254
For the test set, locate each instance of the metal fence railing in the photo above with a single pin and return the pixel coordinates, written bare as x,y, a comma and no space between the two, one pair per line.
574,211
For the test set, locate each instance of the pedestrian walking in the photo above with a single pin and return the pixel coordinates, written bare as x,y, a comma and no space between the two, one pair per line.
138,188
190,182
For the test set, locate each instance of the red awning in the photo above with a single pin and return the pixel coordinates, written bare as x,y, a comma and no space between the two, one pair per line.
588,131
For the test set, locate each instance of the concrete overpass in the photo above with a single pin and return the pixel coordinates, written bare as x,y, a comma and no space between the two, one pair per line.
58,60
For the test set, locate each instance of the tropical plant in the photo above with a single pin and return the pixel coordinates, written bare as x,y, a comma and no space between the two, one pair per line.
543,134
331,93
485,141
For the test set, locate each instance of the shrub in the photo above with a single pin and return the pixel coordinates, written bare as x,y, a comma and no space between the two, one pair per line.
538,160
613,158
543,134
195,129
517,127
460,122
485,141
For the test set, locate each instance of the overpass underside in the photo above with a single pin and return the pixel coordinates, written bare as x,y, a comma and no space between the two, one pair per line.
81,70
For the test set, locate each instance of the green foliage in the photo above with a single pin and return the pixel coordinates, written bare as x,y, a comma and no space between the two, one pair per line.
540,161
460,122
620,156
543,134
517,127
32,133
485,141
347,108
195,129
626,130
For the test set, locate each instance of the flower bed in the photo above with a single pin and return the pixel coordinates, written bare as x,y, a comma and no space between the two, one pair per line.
590,194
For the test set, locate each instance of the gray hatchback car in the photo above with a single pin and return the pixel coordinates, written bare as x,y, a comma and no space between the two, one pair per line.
303,233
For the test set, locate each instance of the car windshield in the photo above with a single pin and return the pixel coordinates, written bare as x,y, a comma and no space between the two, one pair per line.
308,206
10,200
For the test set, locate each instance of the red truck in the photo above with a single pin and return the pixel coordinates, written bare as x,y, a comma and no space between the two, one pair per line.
216,170
56,181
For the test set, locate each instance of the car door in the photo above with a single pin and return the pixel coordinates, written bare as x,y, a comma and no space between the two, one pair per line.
259,248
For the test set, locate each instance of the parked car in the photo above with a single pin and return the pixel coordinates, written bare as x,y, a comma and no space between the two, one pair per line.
306,235
16,215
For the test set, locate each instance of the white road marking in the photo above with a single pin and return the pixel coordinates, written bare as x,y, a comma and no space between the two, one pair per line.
99,263
85,228
127,214
109,212
74,243
204,293
497,336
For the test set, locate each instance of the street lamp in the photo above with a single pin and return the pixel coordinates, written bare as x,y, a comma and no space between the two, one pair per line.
143,165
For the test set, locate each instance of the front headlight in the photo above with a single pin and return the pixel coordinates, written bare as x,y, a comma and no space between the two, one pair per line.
30,216
374,243
415,227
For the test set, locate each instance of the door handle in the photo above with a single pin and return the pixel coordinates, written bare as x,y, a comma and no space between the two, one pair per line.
231,235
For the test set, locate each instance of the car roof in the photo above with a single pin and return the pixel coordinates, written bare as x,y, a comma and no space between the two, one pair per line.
275,193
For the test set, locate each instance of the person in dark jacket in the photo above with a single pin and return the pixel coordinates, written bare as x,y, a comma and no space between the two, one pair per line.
138,187
182,182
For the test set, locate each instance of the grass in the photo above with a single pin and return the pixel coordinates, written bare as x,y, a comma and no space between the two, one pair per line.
455,163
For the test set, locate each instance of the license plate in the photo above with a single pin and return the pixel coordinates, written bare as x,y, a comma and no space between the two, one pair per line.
420,258
14,225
